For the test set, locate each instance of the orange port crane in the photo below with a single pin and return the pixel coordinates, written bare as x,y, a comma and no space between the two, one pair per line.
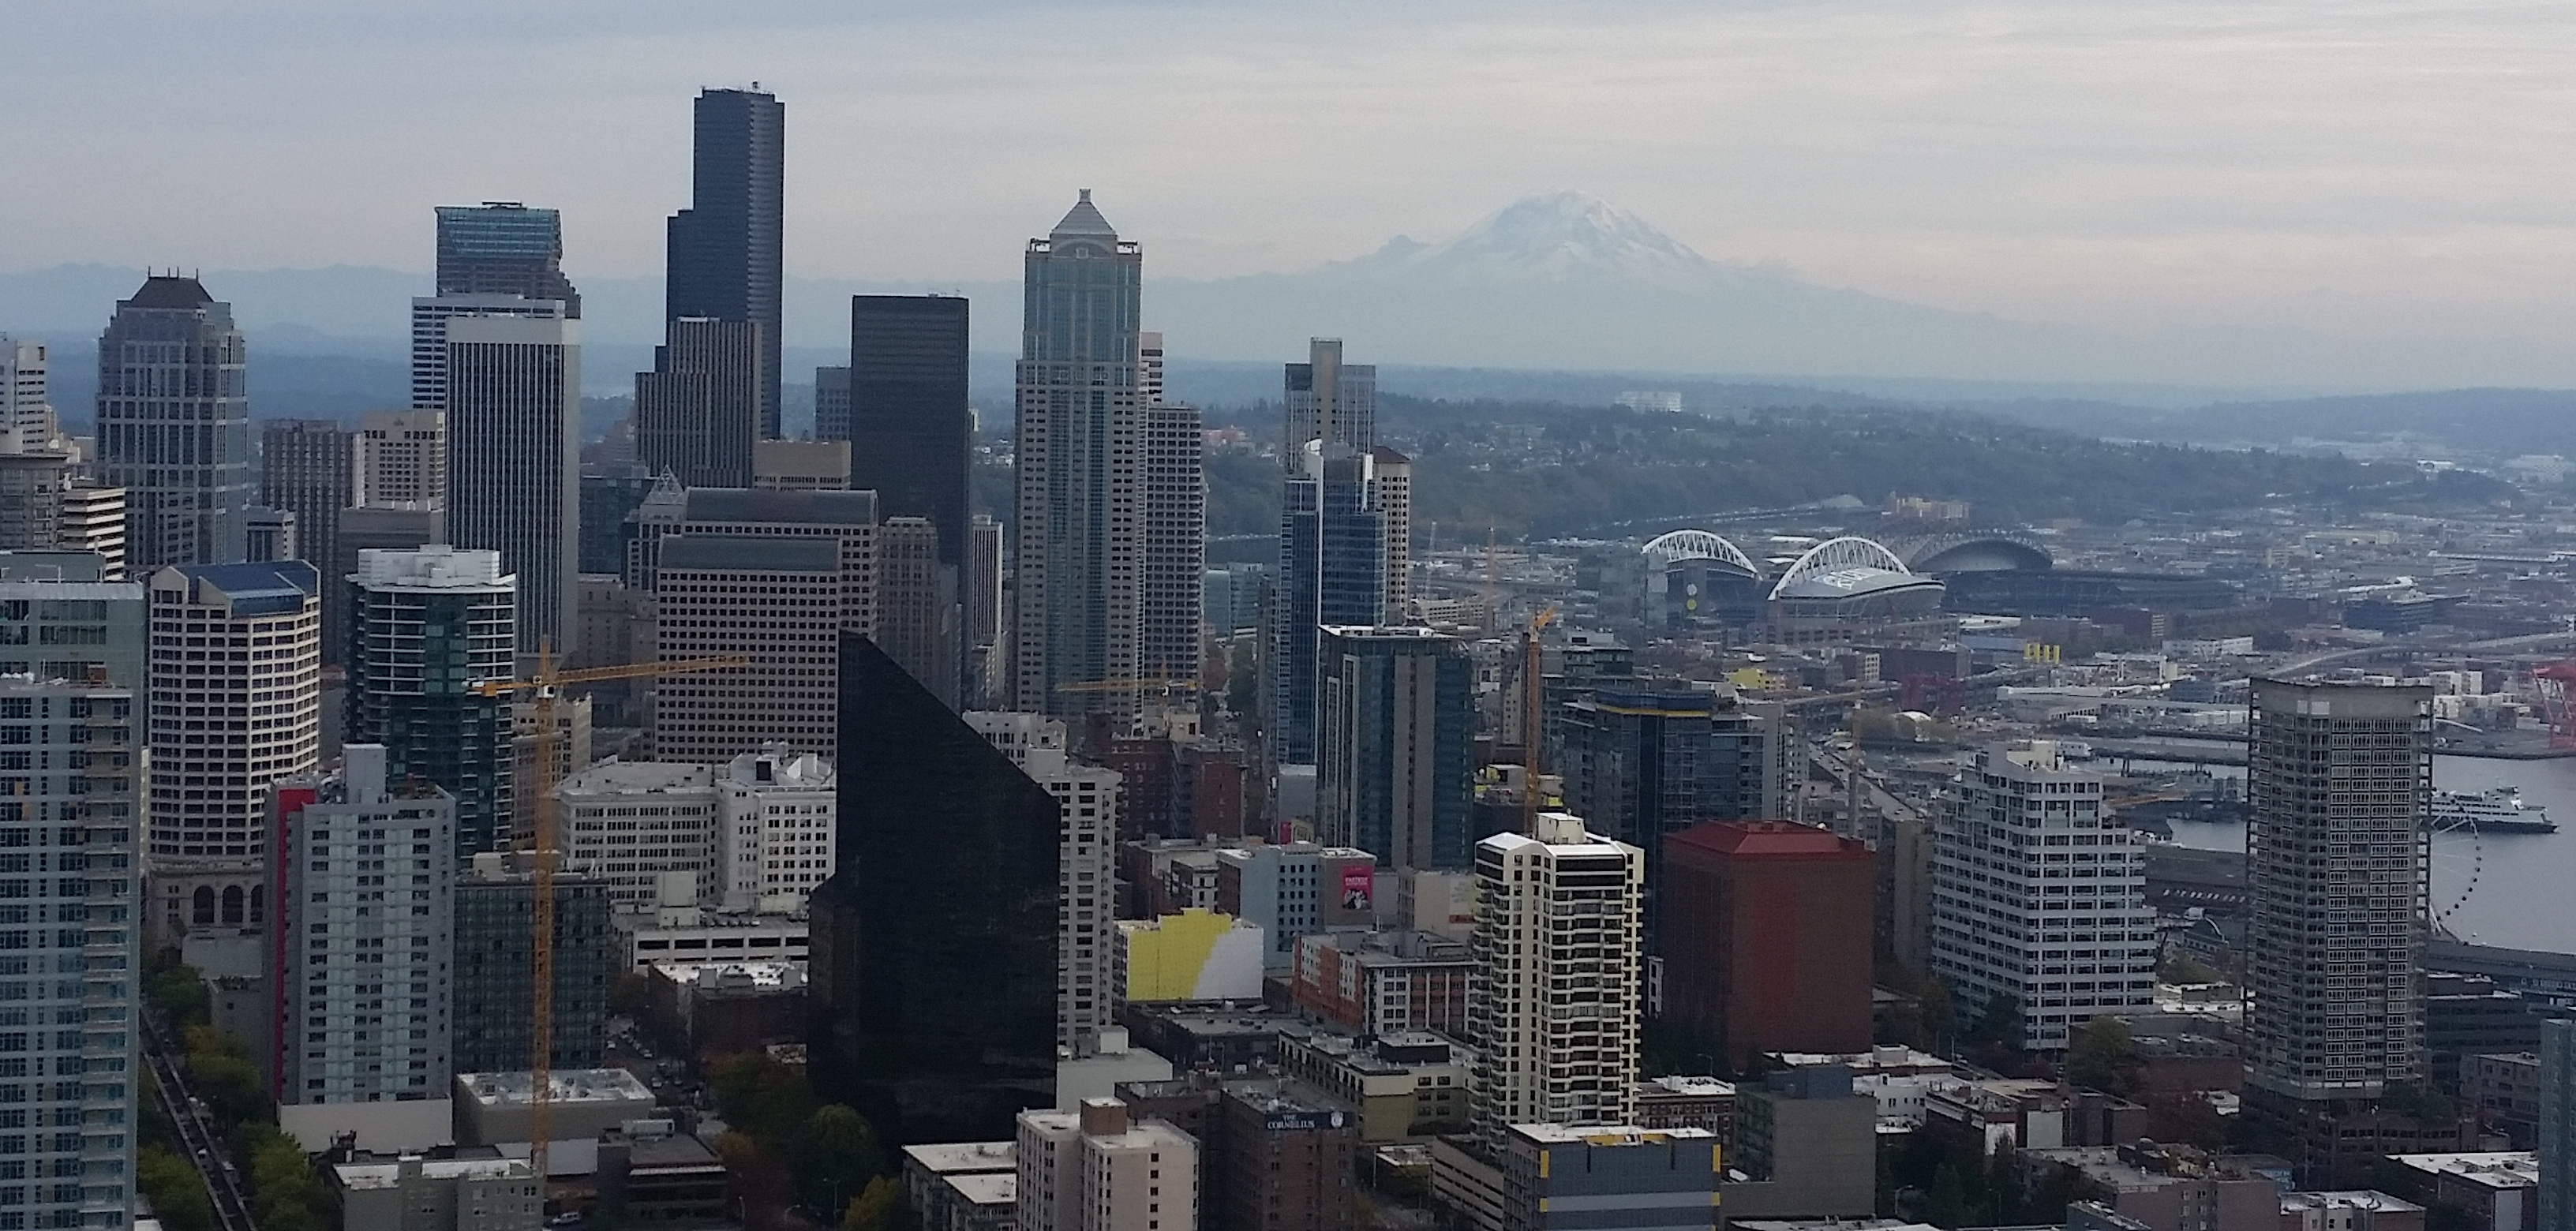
546,683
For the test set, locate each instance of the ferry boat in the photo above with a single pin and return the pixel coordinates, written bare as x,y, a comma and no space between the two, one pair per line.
2501,810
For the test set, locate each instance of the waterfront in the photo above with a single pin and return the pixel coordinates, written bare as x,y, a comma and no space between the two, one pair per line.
2519,877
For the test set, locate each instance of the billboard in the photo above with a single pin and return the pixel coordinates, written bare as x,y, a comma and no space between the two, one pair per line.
1359,884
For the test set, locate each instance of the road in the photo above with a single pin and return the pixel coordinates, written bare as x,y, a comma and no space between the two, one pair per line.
197,1136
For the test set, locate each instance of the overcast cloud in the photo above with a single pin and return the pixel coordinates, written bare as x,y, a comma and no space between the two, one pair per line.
2356,168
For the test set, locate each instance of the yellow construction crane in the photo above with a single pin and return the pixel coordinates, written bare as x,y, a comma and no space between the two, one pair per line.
1532,729
545,683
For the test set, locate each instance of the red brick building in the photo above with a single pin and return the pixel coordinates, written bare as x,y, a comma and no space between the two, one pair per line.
1767,935
1381,983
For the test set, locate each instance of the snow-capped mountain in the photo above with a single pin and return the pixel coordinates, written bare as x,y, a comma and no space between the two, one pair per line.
1552,237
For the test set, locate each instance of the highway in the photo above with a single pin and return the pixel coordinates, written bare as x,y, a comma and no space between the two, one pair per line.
198,1137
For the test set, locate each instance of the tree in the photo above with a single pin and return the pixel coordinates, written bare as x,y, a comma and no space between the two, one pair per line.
2102,1056
177,1192
881,1207
284,1194
2181,967
1948,1204
180,993
2000,1024
833,1154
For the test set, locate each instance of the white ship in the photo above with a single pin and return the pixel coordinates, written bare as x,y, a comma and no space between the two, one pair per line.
2501,810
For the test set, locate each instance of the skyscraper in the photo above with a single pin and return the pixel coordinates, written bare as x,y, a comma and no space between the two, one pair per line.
504,248
724,249
81,727
697,412
776,601
513,403
832,403
1764,940
934,986
988,675
1328,398
1086,867
911,433
428,623
496,910
1080,472
363,1005
308,467
1332,565
917,609
429,320
34,465
2039,898
1558,991
64,615
26,411
209,832
174,424
402,459
1174,541
1395,746
1393,474
2338,782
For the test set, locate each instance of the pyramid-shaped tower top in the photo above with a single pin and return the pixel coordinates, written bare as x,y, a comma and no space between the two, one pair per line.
1084,219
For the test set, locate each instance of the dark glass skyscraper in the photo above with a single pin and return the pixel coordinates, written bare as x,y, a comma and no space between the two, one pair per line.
504,248
1395,745
724,249
428,624
696,412
909,426
496,973
174,425
1332,570
933,984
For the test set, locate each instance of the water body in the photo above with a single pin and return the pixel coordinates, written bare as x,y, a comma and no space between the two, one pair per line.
2513,890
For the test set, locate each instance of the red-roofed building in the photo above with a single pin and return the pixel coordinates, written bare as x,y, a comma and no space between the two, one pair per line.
1767,935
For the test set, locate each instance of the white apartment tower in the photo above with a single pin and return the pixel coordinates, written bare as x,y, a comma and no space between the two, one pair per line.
1098,1169
2338,782
72,1016
367,896
630,823
2039,896
775,811
512,393
1556,996
236,683
1087,871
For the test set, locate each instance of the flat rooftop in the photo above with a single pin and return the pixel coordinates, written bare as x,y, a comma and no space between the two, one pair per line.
986,1187
567,1086
1608,1134
387,1173
965,1157
2493,1168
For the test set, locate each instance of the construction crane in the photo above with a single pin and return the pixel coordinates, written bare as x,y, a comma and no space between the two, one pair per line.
1531,727
546,683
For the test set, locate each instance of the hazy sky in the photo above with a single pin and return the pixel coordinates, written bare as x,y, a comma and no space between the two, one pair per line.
2362,168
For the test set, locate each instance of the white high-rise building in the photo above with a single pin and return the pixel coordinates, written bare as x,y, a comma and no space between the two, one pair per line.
1080,468
402,458
513,402
70,991
1097,1169
236,683
2039,896
1087,870
26,416
367,896
93,519
429,320
629,823
775,811
1555,1001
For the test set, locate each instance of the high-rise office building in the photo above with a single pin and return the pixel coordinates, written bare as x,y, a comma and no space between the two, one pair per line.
988,675
832,403
776,601
911,431
64,616
427,625
1765,939
1080,472
1332,566
363,1002
209,832
513,406
79,821
174,424
1558,993
1395,745
846,518
2338,782
776,825
93,519
1393,475
1326,398
800,465
933,991
2557,1099
429,321
1149,367
269,534
401,459
503,248
35,462
496,973
917,607
1086,869
724,250
1096,1168
26,409
1174,547
308,467
2039,898
632,823
697,413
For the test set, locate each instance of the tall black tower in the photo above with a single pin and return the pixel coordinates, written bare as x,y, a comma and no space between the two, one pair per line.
724,251
933,987
910,428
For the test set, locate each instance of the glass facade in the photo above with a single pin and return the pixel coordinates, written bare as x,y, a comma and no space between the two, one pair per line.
909,427
934,944
1332,569
496,971
418,642
724,250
